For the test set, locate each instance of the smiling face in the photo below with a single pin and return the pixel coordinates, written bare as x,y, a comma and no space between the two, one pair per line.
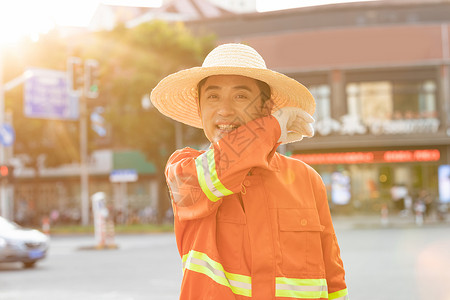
229,101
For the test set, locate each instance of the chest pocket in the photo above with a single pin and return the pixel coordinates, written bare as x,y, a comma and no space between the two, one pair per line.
230,232
300,239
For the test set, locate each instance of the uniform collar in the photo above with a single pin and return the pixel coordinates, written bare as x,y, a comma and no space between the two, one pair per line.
273,166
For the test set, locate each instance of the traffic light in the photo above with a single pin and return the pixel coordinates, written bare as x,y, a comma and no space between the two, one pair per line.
6,172
75,76
91,73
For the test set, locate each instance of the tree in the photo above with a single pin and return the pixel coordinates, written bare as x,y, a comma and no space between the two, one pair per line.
38,138
38,141
133,61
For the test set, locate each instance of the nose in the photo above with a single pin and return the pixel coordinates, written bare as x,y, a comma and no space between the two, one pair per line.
226,108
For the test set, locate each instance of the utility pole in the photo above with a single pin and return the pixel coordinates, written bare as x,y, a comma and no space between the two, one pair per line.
6,197
84,172
6,170
83,82
3,195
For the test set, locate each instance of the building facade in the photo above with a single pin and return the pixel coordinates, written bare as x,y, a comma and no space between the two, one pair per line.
379,72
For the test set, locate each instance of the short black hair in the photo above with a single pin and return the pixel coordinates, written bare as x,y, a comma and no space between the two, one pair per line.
264,88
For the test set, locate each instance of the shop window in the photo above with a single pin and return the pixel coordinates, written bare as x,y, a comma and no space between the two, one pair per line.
321,94
370,101
414,100
385,176
376,101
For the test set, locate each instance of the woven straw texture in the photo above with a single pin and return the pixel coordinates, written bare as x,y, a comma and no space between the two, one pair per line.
176,95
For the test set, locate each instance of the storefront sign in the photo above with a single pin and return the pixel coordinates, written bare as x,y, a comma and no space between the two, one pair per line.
351,125
123,175
405,126
394,156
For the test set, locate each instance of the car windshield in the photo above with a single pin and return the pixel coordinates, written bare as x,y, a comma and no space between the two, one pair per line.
6,225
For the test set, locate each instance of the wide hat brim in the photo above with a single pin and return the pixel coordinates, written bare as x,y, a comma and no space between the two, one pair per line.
176,95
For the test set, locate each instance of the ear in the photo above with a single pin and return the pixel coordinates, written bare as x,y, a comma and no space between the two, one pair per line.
267,107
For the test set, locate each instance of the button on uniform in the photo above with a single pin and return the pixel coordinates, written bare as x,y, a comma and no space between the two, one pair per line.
304,222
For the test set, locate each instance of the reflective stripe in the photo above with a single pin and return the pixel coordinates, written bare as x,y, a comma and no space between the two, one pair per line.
301,288
339,295
201,180
201,263
207,177
207,166
218,186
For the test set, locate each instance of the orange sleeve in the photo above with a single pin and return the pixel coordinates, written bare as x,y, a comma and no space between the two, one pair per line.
334,268
198,180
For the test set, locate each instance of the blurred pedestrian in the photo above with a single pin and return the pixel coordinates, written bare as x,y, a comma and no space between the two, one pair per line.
426,198
419,209
249,222
400,195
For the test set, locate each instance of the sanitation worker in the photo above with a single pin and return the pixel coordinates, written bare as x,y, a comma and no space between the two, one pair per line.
250,223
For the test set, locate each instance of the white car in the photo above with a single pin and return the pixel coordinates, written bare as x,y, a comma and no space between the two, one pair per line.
18,244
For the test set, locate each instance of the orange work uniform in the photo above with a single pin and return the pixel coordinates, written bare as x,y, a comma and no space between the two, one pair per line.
251,223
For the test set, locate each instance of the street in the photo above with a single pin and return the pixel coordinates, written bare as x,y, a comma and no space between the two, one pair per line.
401,264
144,267
381,263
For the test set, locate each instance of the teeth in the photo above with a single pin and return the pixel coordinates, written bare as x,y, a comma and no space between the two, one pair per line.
226,127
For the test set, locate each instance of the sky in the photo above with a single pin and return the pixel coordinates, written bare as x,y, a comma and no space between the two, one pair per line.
20,18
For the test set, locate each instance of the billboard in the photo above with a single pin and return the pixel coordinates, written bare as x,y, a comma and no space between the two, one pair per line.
46,96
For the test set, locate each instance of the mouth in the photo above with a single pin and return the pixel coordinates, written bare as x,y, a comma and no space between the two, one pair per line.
226,127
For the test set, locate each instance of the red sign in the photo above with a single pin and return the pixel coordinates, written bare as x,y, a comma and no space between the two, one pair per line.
4,171
370,157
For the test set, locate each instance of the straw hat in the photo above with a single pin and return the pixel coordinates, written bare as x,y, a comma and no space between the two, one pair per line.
176,95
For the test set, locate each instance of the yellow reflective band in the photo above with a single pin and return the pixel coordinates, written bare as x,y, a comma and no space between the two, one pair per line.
201,263
213,173
217,266
301,288
207,177
202,181
339,295
301,295
301,282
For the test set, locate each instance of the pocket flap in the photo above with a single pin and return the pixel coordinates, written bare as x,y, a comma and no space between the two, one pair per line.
305,219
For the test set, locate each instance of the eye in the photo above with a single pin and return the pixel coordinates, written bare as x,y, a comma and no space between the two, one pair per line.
212,97
241,96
